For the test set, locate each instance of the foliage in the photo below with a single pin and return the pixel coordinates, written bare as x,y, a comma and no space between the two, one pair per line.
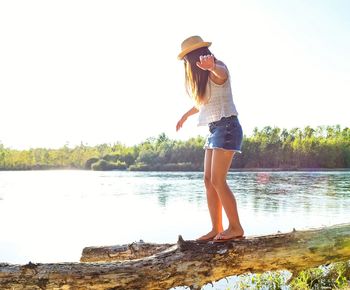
185,166
270,147
333,276
267,280
103,165
90,162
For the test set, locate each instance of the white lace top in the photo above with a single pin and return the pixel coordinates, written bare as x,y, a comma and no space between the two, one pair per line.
220,103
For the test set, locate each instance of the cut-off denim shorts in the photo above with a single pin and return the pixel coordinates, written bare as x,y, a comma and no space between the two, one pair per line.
225,134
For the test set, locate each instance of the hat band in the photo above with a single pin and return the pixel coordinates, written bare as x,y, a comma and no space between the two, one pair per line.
192,48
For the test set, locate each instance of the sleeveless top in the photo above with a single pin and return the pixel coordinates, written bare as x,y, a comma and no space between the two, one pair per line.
220,103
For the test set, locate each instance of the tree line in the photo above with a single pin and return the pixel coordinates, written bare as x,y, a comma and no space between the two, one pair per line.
269,147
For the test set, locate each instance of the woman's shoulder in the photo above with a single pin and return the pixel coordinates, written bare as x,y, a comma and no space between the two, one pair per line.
220,62
219,81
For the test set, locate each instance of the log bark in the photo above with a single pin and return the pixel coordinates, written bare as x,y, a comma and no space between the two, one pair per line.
124,252
187,263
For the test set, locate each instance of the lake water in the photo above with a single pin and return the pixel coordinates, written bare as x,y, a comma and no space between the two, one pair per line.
50,216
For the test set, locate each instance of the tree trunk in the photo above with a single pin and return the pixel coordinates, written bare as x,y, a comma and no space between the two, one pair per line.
187,263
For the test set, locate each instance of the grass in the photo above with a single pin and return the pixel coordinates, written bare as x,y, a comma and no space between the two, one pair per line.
333,276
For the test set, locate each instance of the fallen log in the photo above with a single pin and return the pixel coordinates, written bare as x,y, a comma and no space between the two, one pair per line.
187,263
132,251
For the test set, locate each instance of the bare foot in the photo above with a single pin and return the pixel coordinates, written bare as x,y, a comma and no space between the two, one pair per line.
230,233
209,236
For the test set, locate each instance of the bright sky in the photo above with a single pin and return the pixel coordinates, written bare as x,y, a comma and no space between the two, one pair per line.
107,71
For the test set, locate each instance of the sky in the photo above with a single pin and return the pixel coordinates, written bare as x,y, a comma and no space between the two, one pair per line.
96,72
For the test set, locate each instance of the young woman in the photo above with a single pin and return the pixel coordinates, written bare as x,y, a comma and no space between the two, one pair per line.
207,82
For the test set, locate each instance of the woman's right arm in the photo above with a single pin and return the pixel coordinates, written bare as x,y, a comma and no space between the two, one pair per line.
190,112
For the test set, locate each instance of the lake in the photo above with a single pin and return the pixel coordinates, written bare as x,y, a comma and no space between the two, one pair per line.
50,216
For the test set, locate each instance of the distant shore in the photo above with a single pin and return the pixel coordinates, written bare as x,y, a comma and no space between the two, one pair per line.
324,148
195,170
287,169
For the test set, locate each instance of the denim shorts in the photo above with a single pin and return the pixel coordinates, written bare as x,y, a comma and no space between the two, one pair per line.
225,134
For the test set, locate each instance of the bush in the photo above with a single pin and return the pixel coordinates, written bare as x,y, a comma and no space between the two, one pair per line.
127,157
140,166
103,165
333,276
184,166
90,161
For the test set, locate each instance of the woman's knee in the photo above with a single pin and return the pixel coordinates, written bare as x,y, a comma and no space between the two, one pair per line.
207,182
218,182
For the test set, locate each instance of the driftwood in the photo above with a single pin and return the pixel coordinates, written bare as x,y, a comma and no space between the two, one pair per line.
132,251
187,263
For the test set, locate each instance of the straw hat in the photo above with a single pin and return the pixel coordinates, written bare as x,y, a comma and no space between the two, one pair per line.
190,44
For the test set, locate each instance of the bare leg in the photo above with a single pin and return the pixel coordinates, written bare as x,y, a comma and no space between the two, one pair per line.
221,162
213,200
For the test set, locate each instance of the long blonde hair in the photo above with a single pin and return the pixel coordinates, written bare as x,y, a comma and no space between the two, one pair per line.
196,79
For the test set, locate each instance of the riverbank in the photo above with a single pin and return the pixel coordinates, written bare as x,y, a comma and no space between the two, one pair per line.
169,169
281,150
288,169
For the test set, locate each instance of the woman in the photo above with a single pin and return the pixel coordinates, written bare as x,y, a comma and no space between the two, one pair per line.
207,82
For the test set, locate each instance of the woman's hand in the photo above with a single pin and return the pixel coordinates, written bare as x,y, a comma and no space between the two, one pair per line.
180,123
190,112
206,62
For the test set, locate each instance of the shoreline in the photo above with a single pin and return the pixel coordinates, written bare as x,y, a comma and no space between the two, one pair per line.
230,170
288,169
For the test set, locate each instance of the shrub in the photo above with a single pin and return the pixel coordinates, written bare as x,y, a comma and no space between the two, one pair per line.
103,165
90,161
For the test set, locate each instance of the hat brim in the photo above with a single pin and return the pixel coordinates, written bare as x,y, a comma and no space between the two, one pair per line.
192,48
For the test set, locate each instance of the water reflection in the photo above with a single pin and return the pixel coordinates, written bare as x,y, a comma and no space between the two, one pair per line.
161,192
295,191
154,206
187,186
261,191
